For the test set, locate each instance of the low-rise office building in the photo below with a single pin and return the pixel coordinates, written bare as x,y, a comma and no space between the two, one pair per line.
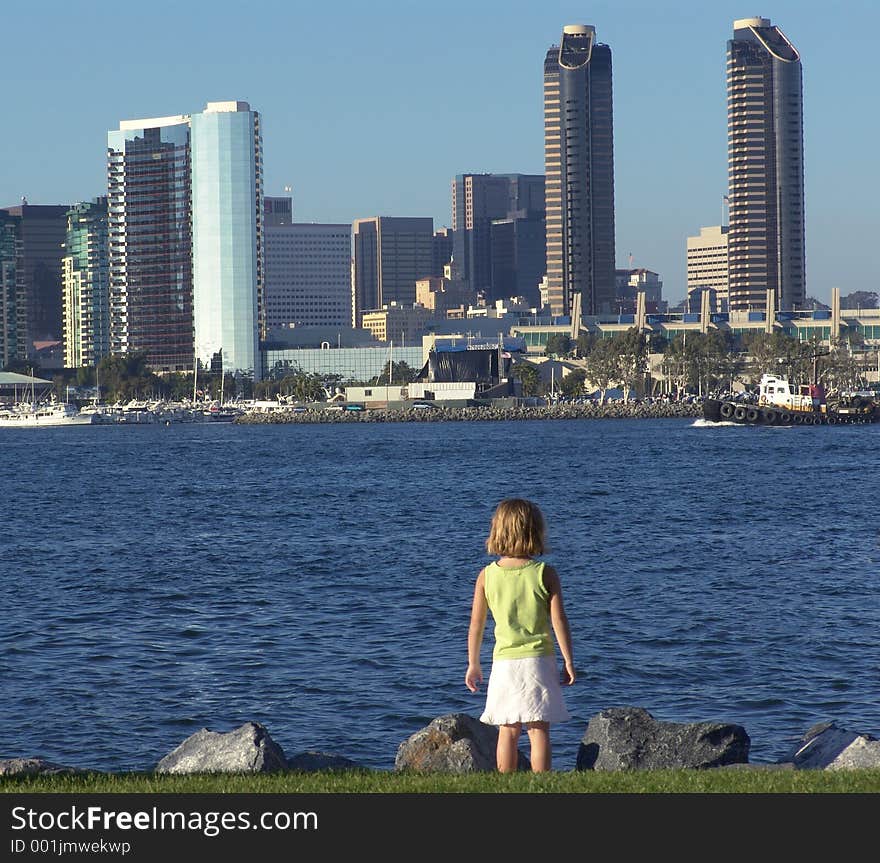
400,324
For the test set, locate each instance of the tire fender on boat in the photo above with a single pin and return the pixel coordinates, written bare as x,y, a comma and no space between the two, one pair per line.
727,410
739,413
752,415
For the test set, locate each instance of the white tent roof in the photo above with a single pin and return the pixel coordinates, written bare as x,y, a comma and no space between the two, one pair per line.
13,379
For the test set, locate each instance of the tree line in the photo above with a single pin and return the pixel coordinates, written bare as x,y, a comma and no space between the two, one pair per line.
694,362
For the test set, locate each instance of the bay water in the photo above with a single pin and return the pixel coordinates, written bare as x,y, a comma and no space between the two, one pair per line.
317,578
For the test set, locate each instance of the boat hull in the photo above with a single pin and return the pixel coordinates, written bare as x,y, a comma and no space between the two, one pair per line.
43,422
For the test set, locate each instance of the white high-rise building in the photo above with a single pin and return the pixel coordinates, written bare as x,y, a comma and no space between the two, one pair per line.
227,201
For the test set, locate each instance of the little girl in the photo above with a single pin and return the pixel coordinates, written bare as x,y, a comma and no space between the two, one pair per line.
525,598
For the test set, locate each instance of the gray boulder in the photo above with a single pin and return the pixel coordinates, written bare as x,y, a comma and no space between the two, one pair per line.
629,738
311,761
247,749
32,767
827,746
454,743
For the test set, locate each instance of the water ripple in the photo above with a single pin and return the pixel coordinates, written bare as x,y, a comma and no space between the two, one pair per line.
318,579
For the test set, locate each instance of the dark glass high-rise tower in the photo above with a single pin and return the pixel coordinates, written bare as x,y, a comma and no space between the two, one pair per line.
150,231
480,202
579,169
13,305
41,229
390,254
765,158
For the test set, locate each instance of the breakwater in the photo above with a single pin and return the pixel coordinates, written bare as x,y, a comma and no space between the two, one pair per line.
610,410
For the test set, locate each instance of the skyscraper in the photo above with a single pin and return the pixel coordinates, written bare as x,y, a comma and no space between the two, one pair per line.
186,238
227,220
13,310
41,231
579,170
85,276
518,248
765,158
443,244
150,227
479,201
390,254
308,274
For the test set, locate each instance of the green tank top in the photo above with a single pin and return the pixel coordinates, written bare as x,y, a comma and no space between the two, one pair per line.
520,606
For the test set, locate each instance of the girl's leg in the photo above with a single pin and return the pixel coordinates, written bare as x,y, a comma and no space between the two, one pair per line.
539,741
506,753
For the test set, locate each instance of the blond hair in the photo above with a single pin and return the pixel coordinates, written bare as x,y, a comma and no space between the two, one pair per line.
518,529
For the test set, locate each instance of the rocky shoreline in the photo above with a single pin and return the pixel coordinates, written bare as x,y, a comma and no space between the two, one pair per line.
621,738
610,410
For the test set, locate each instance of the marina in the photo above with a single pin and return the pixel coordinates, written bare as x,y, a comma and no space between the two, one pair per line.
53,413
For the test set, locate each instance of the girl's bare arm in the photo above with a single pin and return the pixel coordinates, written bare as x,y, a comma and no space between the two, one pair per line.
559,621
474,675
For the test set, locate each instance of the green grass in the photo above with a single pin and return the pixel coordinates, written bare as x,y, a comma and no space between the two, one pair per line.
723,781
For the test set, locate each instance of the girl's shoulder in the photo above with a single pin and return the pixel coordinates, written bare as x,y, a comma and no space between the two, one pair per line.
550,578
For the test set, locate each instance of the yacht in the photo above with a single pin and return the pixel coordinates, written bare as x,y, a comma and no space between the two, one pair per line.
33,414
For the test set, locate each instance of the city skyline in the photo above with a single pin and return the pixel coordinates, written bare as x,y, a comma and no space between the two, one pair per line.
469,103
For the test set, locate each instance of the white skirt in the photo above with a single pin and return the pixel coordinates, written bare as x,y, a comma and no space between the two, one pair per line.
524,690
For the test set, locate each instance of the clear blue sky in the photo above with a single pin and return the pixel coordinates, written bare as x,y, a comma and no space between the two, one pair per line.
370,108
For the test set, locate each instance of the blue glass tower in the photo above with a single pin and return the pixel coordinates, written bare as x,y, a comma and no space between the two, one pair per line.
227,237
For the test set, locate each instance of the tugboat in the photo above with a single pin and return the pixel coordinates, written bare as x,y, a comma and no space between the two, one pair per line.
782,403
